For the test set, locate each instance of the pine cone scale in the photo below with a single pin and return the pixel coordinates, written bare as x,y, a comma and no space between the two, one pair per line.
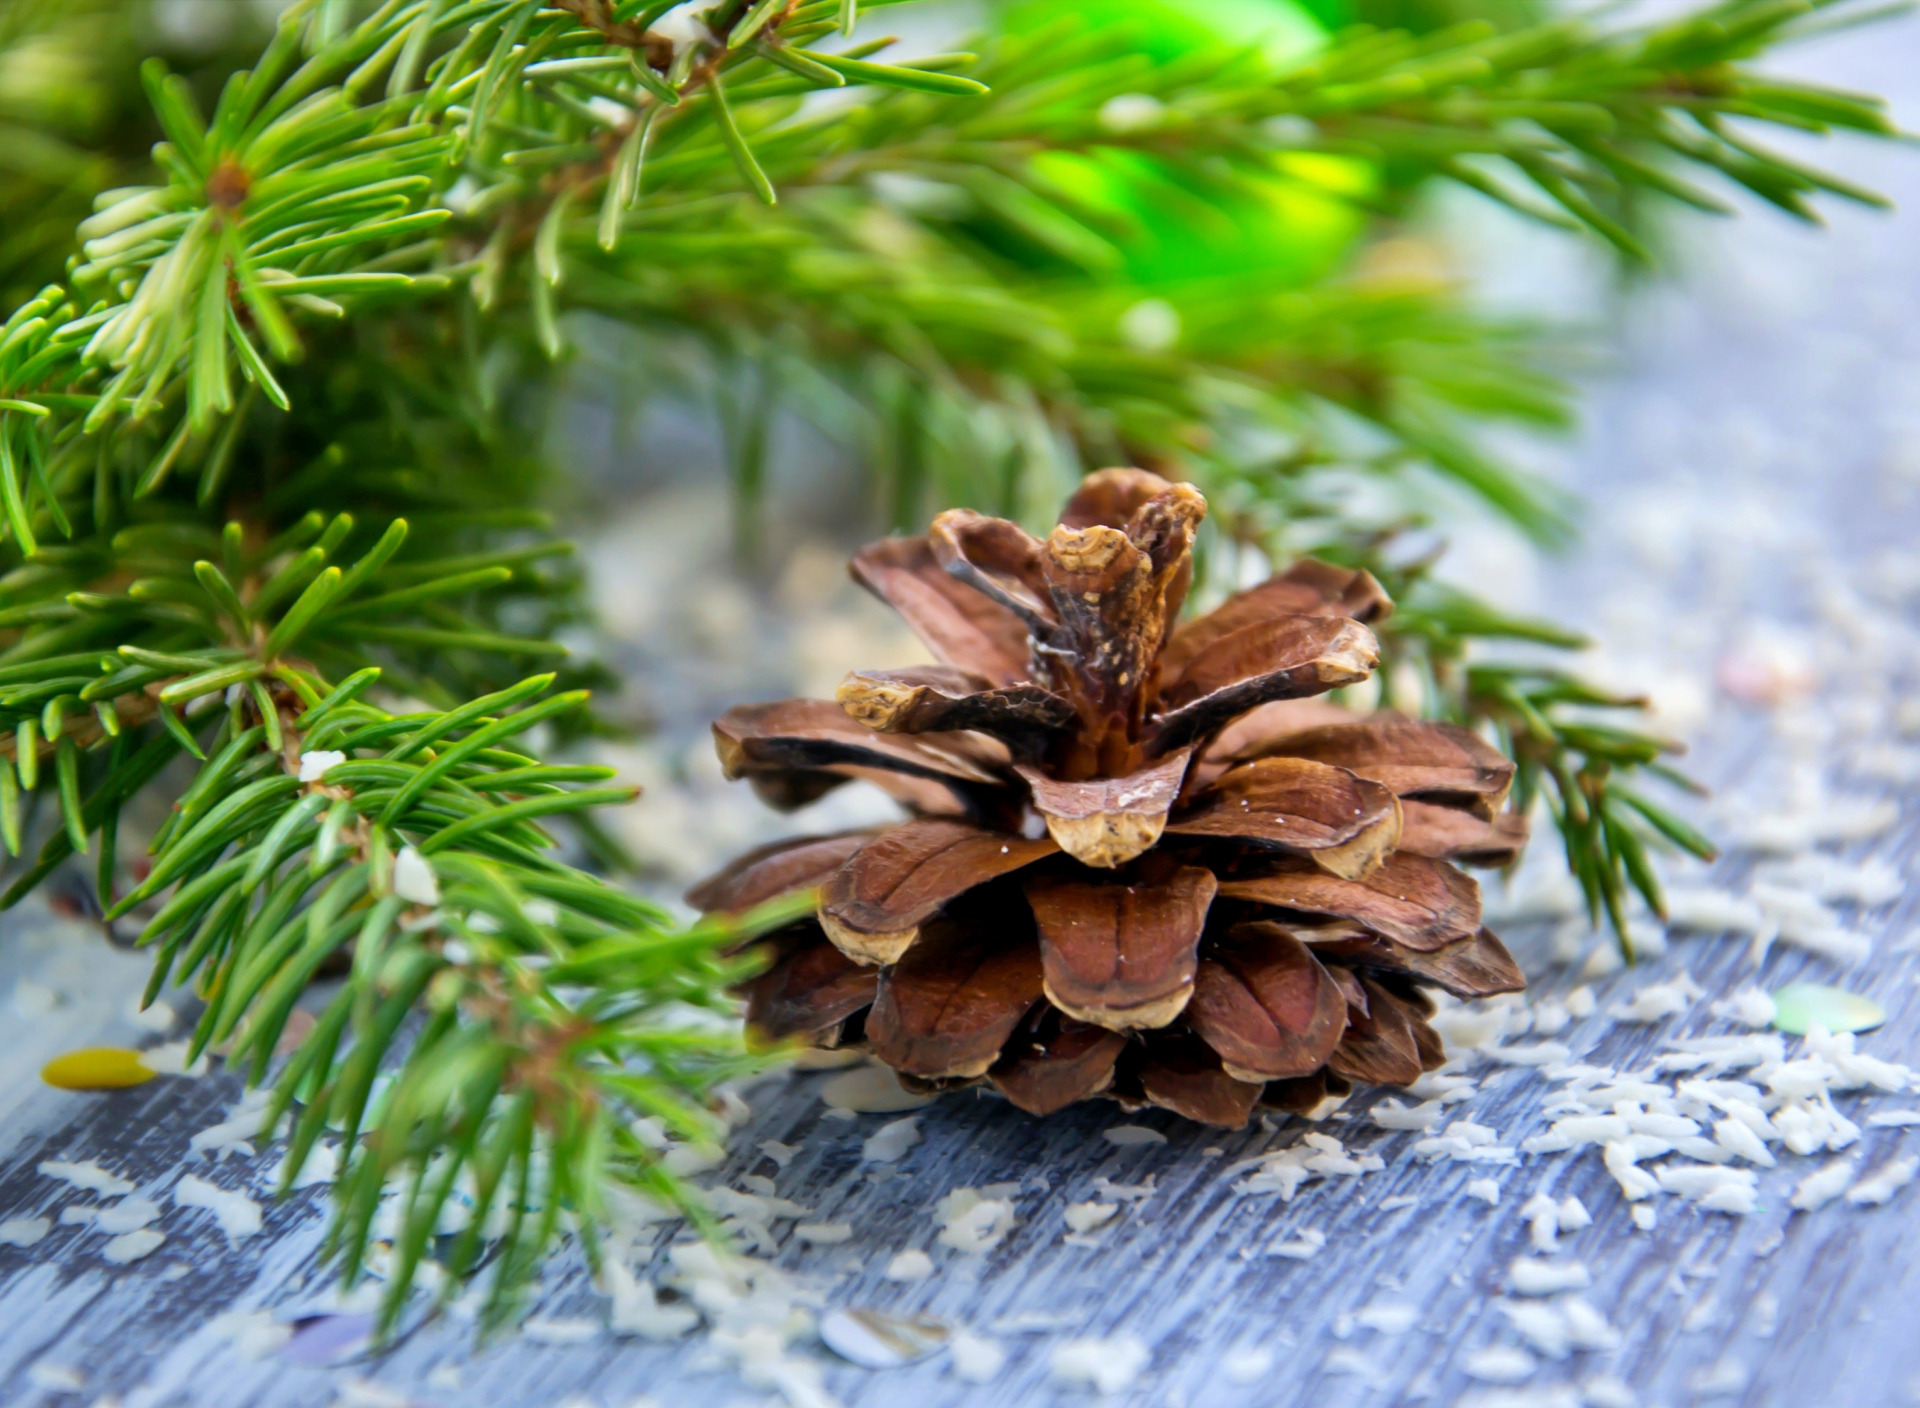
1121,956
1145,863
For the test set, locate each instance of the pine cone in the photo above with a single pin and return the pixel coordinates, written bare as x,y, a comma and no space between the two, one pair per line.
1143,863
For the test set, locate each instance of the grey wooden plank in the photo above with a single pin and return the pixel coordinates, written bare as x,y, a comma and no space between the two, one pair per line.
1827,387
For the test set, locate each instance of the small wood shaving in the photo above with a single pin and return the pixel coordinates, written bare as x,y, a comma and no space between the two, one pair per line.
1084,1217
1486,1190
1129,1135
1304,1247
871,1089
88,1176
238,1215
1529,1276
1819,1188
1246,1365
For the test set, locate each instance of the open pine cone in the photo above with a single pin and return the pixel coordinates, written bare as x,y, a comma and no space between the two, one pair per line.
1131,870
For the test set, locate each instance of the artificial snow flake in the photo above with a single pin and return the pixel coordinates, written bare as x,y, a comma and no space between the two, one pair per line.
314,766
413,878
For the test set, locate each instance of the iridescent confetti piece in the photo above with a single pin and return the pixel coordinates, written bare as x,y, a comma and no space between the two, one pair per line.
1800,1007
96,1068
876,1340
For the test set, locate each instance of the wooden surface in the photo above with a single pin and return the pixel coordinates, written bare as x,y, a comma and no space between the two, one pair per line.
1752,466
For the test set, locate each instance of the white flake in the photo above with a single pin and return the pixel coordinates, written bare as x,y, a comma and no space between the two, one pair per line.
1247,1364
254,1334
1530,1276
971,1222
238,1215
1084,1217
89,1176
23,1231
1109,1365
781,1154
910,1265
131,1246
1302,1248
1880,1185
1750,1007
1605,1391
314,765
1388,1317
1644,1216
1657,1001
1543,1221
413,878
1391,1114
637,1309
825,1234
975,1359
1581,1002
889,1142
1893,1119
1818,1189
1500,1364
1486,1190
1128,1135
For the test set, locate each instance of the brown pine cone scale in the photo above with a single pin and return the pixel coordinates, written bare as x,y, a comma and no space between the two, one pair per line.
1142,861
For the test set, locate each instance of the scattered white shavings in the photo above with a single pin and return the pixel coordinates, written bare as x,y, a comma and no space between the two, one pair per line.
314,765
235,1135
413,878
131,1246
1397,1202
1880,1185
974,1220
1304,1247
1543,1222
1486,1190
825,1234
1869,884
1800,829
1657,1001
890,1142
1128,1135
1443,1087
781,1154
1750,1007
238,1215
1391,1114
1715,1188
910,1265
1821,1187
1317,1155
1109,1365
254,1334
1581,1002
870,1089
88,1176
1465,1142
1799,919
24,1231
558,1329
1530,1276
1556,1328
636,1307
1704,909
1536,1053
1500,1364
1645,1216
1085,1217
976,1359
